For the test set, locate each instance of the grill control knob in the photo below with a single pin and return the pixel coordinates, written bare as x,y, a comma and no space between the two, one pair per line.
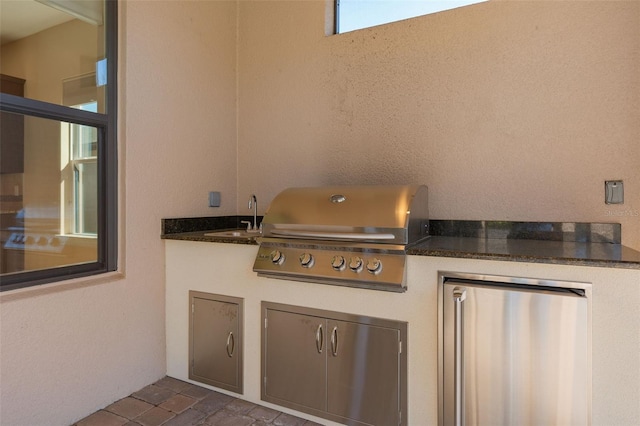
277,257
374,266
306,260
338,262
355,264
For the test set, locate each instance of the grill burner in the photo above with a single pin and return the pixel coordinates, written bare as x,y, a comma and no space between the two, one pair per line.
343,235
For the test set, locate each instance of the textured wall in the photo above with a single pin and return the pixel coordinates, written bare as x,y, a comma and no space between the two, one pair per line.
69,349
506,110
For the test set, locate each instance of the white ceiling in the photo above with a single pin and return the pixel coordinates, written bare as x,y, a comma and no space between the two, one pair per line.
21,18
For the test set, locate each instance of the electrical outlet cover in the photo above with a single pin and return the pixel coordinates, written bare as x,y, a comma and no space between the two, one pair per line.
214,199
613,192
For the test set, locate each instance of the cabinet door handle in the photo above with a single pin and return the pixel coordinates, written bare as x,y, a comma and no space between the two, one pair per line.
459,295
319,339
334,341
231,344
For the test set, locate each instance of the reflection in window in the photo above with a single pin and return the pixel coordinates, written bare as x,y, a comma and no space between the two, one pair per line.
85,197
83,146
357,14
59,40
36,236
84,150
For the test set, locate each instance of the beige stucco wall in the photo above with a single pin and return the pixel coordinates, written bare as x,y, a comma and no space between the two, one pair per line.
507,110
71,348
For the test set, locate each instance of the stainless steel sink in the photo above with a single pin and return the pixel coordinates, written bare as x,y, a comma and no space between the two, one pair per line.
233,233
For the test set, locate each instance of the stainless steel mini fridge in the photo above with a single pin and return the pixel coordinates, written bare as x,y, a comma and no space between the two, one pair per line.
513,351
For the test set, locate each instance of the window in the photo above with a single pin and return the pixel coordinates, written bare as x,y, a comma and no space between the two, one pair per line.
79,149
58,176
357,14
84,142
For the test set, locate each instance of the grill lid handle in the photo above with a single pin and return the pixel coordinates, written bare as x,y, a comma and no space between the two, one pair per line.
346,236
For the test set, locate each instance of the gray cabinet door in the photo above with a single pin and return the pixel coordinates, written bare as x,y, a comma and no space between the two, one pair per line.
216,344
347,368
363,370
295,362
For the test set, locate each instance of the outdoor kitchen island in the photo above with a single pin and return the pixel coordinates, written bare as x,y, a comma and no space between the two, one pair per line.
222,266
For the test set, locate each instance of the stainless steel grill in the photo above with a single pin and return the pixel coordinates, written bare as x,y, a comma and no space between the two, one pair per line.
343,235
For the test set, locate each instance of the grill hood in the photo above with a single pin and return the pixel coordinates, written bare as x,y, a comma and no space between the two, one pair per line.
379,214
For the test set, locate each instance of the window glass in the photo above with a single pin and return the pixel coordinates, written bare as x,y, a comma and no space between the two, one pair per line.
357,14
48,41
58,171
52,220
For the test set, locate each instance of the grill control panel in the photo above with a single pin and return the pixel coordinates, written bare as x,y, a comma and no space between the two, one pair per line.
36,242
368,268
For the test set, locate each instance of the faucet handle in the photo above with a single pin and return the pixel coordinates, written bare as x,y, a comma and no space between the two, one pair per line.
248,224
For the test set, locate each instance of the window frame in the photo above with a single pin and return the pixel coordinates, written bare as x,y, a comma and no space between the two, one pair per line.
107,258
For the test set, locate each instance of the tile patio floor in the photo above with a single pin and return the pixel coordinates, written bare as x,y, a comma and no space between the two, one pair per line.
172,402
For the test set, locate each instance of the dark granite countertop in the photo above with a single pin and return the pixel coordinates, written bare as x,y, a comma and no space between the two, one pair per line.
200,236
580,244
195,228
605,255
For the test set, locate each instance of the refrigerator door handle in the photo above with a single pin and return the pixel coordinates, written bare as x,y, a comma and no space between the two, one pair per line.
459,295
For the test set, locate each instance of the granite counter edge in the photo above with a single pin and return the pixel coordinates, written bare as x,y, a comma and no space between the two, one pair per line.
462,247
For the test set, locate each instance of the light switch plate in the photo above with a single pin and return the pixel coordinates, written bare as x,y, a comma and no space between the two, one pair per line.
613,192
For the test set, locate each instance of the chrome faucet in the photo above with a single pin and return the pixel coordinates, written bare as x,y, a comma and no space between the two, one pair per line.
253,202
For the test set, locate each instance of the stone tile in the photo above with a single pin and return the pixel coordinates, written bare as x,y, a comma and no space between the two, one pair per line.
178,403
172,384
189,417
153,394
185,404
129,408
228,418
240,406
213,402
263,413
285,419
102,418
197,392
154,417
